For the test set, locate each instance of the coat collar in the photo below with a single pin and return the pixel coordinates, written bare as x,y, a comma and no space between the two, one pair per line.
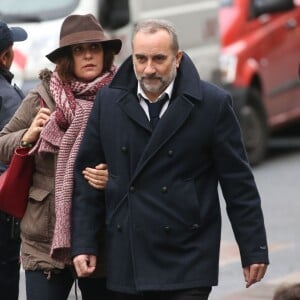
7,74
166,128
187,89
187,86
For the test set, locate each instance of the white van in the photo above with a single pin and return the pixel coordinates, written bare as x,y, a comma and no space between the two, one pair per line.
195,20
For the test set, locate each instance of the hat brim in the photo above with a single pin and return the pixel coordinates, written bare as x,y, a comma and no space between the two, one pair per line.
18,34
115,45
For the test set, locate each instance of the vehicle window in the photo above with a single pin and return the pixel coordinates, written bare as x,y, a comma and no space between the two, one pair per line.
114,14
35,10
226,2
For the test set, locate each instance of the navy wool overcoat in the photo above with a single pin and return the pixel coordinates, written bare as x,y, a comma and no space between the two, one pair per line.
161,206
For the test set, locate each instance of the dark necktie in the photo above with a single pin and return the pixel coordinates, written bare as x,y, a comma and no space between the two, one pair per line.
155,108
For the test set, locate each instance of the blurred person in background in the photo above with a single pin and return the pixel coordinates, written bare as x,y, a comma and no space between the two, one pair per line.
51,120
169,139
10,99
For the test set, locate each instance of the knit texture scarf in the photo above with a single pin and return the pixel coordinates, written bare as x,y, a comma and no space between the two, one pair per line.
62,134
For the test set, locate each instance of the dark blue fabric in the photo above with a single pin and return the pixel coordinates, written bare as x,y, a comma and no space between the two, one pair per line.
190,294
9,247
10,35
161,203
94,289
11,98
154,110
58,286
9,263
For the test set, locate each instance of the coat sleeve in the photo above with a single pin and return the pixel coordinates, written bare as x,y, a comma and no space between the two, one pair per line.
13,131
243,203
88,202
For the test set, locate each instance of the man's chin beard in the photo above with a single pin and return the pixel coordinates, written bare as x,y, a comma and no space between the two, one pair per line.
150,89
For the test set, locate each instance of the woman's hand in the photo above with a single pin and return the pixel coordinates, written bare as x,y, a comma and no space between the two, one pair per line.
33,132
97,177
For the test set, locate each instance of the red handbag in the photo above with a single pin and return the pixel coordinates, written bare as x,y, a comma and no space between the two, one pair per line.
15,183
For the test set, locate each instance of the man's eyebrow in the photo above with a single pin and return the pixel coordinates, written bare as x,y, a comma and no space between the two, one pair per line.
152,56
160,55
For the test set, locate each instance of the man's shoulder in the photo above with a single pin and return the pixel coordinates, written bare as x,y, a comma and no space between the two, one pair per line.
215,95
109,93
214,89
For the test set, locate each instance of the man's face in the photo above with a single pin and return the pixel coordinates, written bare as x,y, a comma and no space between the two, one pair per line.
154,61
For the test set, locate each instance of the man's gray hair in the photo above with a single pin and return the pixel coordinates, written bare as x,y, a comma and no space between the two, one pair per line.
154,25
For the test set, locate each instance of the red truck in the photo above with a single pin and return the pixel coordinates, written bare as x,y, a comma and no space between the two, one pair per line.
260,55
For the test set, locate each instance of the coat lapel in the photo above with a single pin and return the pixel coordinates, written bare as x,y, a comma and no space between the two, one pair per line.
134,111
187,86
174,117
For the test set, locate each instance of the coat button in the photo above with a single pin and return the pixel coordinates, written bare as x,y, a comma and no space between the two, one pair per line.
131,189
167,228
170,153
164,189
195,226
124,149
119,228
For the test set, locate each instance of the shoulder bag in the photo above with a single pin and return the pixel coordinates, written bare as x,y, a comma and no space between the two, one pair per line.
15,183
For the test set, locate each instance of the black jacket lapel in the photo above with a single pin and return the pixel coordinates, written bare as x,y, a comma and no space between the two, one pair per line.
175,116
134,111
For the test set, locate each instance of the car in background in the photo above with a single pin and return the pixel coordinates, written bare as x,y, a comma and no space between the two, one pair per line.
260,51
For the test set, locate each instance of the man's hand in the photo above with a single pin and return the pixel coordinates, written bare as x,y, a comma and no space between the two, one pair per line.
97,177
84,264
254,273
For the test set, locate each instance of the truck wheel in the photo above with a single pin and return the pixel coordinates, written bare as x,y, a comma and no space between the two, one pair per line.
254,129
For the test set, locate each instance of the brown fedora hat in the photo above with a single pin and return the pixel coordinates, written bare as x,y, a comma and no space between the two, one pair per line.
79,29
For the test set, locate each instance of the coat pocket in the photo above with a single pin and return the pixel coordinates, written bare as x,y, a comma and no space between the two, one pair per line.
36,223
183,203
38,194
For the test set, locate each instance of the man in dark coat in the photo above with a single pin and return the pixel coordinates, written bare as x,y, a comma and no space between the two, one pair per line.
161,207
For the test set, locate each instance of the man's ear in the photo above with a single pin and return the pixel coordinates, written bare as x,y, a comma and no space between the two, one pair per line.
2,59
178,58
5,58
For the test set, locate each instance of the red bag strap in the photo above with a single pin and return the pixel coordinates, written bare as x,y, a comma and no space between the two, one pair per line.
42,102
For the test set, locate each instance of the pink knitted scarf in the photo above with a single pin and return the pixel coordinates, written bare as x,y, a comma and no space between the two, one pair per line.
62,135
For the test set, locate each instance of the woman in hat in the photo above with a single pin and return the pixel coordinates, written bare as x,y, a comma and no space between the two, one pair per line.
84,64
10,99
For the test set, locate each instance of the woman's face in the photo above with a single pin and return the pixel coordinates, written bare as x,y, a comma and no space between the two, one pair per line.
88,60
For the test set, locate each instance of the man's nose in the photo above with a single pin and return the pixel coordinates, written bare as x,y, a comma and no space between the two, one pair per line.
149,69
